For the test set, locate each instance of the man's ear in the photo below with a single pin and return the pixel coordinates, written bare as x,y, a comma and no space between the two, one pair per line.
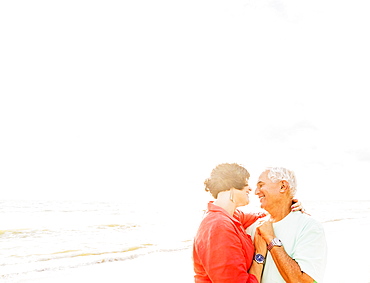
284,186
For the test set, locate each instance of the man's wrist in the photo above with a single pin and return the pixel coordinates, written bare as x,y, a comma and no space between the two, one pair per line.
268,239
275,242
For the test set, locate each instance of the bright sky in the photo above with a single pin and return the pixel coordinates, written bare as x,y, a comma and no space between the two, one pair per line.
139,100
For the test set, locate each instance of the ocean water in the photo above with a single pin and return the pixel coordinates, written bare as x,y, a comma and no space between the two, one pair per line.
47,236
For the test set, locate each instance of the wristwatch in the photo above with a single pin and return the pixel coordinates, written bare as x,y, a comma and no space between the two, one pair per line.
259,258
273,243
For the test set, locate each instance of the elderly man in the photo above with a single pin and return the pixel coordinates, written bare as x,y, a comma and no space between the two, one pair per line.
296,242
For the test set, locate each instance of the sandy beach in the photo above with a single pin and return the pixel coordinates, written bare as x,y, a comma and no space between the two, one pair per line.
156,267
347,262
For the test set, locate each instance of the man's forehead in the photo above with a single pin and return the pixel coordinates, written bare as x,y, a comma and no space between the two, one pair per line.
263,177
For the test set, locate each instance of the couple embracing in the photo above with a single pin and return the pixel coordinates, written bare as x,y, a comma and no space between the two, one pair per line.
237,247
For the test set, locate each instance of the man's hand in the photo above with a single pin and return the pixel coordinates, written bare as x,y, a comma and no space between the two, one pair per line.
288,268
266,231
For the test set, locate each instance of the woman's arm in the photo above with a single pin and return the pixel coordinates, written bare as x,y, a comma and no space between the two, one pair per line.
261,248
248,219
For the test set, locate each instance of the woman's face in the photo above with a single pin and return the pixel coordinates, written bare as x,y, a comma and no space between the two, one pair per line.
242,196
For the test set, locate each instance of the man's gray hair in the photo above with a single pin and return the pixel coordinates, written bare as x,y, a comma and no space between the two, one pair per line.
277,174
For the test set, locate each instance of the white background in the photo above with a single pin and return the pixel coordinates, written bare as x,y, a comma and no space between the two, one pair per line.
139,100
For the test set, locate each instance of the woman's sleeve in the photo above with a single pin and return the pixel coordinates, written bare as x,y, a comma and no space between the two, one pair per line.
247,219
223,257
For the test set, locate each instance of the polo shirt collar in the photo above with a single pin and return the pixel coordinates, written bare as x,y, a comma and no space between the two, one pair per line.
216,208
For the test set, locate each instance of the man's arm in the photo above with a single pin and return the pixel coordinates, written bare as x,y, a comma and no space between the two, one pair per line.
288,267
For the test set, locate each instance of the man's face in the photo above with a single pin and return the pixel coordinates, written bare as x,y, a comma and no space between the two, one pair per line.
268,192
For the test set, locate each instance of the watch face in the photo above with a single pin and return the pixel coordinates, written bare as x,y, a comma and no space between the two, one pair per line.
259,258
274,243
278,242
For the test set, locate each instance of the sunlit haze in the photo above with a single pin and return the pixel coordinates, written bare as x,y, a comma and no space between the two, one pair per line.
139,100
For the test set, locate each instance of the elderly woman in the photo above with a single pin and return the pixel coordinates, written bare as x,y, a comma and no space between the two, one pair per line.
222,251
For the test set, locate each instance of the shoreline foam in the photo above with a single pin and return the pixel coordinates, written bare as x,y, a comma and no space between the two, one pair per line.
347,262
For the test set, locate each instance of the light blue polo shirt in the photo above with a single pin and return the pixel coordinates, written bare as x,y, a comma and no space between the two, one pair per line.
304,241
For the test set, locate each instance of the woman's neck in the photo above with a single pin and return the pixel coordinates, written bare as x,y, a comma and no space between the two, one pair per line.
223,200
